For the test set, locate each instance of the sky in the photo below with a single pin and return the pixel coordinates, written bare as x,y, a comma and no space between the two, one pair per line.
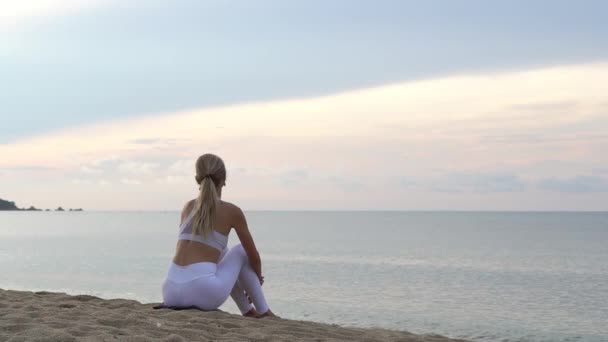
313,105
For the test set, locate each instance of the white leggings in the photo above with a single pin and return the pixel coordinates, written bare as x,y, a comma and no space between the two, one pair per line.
207,285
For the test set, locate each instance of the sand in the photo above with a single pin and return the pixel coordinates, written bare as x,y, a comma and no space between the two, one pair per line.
46,316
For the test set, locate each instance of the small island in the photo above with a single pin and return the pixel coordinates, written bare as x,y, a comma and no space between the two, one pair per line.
8,205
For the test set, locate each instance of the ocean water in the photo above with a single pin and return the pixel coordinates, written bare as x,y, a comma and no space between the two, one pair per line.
481,276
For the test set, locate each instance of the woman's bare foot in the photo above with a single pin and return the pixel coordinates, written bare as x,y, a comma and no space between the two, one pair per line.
251,313
267,314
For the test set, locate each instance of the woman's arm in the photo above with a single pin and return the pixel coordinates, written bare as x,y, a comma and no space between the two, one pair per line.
242,230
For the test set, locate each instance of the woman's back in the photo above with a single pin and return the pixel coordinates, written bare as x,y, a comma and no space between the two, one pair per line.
189,250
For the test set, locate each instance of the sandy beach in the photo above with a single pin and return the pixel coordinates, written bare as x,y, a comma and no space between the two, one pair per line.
46,316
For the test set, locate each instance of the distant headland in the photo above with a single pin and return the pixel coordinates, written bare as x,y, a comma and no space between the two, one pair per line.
7,205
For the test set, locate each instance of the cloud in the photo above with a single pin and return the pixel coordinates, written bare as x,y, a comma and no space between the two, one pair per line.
179,179
26,168
129,181
90,181
408,114
105,162
562,107
89,169
301,177
79,181
454,135
182,166
98,166
156,141
179,172
149,141
117,165
578,184
346,183
134,167
478,182
293,177
283,176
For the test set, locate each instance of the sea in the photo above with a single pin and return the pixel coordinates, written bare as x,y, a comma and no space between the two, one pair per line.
482,276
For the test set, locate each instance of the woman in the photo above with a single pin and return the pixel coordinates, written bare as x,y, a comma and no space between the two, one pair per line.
204,272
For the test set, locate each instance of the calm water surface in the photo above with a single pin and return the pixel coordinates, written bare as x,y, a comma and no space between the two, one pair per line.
481,276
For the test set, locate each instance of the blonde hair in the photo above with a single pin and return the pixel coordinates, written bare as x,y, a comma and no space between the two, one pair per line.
210,175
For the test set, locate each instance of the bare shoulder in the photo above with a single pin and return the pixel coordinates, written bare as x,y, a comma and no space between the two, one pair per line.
187,209
235,213
232,208
189,205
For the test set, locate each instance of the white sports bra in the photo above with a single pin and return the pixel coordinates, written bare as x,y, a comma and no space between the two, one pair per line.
216,239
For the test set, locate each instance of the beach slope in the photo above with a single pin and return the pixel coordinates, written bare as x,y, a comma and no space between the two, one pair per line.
46,316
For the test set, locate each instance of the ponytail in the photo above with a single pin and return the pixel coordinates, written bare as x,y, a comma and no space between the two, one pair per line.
211,174
206,205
